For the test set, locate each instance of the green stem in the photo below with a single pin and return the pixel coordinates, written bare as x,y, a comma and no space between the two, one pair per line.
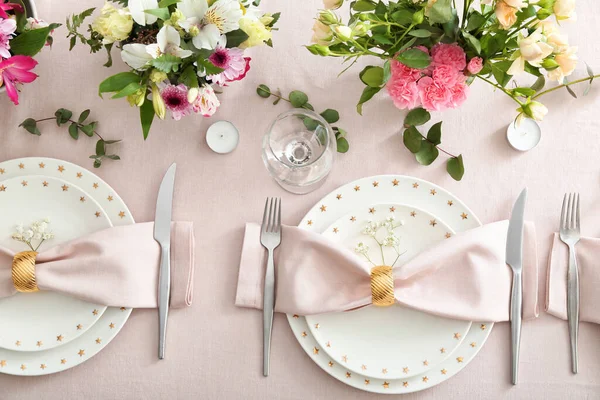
70,120
438,147
589,78
500,88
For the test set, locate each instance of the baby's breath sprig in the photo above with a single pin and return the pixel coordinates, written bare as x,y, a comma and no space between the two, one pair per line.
38,232
390,239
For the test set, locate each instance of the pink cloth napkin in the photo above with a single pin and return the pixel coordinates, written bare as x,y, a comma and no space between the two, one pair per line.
587,250
464,277
116,267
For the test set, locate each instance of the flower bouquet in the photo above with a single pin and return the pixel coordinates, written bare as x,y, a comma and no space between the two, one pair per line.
21,38
176,49
430,56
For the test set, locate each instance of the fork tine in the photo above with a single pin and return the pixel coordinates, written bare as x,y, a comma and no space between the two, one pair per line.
271,215
577,212
563,214
569,211
263,227
278,217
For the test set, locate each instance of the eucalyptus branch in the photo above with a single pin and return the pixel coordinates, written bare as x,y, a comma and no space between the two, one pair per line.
589,78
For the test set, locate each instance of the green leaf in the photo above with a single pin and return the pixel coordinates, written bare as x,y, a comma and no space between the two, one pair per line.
169,63
416,117
524,91
331,116
189,77
162,13
310,123
441,12
167,3
342,145
263,91
308,106
435,134
62,116
118,82
381,39
387,71
97,163
89,128
21,17
476,20
30,125
83,116
473,42
127,90
456,168
372,76
539,83
209,67
499,71
74,131
235,38
407,44
427,153
30,43
414,58
100,148
420,33
402,17
364,5
113,157
589,71
112,141
298,98
366,95
146,117
412,139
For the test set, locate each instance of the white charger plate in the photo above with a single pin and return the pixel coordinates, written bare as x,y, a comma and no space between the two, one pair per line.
43,320
388,342
110,323
411,192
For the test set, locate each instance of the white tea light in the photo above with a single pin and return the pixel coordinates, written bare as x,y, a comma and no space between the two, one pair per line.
525,136
222,137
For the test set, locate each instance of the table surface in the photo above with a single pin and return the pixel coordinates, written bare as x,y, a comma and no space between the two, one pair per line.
214,349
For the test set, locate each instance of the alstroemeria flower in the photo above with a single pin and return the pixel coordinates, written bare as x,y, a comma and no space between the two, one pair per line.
207,24
7,30
138,8
4,7
136,56
168,43
14,71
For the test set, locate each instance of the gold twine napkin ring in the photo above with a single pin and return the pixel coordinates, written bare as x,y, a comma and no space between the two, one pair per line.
382,286
23,272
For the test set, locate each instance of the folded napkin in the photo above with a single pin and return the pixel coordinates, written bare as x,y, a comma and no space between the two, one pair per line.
116,267
587,250
463,277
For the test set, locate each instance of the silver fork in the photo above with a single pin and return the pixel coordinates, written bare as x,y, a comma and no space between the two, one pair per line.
270,238
569,234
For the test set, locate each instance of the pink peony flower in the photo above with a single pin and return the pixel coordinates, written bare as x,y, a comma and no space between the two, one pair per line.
233,63
4,7
404,93
176,100
207,101
449,54
446,75
16,70
475,65
401,71
7,30
434,96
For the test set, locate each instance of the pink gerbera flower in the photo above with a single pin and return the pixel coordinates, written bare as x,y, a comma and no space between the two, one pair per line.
14,71
7,30
233,63
4,7
176,100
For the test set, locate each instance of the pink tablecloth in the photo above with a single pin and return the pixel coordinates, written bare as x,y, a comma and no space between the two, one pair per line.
214,349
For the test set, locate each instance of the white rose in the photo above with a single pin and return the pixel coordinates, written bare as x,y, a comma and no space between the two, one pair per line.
343,32
321,33
533,49
536,110
559,42
332,4
548,27
567,61
565,9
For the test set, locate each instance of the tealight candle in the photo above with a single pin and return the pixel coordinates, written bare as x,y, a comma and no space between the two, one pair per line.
525,136
222,137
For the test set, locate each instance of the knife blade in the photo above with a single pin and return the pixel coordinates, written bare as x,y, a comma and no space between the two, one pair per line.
514,258
162,234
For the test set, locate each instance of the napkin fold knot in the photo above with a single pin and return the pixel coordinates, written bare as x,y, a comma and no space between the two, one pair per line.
382,286
23,272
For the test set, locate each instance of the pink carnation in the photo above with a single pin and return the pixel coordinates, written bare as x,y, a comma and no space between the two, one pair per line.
475,65
449,54
446,75
434,96
459,94
404,93
401,71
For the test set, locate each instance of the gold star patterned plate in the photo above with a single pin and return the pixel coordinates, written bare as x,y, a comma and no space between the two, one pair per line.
409,192
80,183
388,342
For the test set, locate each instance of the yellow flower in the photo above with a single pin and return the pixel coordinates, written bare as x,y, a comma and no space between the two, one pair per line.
256,31
158,103
157,76
138,98
114,24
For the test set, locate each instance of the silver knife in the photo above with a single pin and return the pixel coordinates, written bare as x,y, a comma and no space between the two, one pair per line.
162,234
514,258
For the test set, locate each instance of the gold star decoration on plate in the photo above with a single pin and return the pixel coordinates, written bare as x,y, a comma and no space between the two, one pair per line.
450,203
448,235
111,325
330,363
81,353
123,309
386,385
405,384
42,165
23,367
415,185
483,327
309,222
2,363
375,184
24,183
2,171
79,175
61,169
367,381
473,344
395,182
304,334
425,379
363,367
433,222
296,316
122,215
442,350
328,344
384,371
323,208
97,214
339,197
39,343
43,366
317,326
356,188
45,184
464,216
18,343
433,192
335,230
425,363
79,327
82,199
63,361
413,213
459,359
348,375
371,210
316,350
345,359
60,338
65,188
457,335
444,371
109,198
95,312
2,188
95,185
405,370
21,166
353,219
392,209
99,341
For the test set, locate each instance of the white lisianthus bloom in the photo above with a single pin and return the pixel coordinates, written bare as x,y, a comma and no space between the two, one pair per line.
206,24
136,56
532,49
321,33
138,11
565,10
168,43
332,4
567,61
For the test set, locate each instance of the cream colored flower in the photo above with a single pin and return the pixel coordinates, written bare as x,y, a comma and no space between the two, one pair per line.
507,15
519,4
332,4
256,31
567,61
322,33
114,24
532,49
565,9
559,42
536,110
342,32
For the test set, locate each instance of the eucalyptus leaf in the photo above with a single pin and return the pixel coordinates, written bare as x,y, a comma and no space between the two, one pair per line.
417,116
74,131
310,123
62,116
263,91
434,135
30,125
88,129
331,116
342,145
427,154
412,139
298,98
100,148
83,116
456,167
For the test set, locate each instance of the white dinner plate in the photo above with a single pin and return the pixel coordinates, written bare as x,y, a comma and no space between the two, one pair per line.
92,341
388,342
412,192
43,320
